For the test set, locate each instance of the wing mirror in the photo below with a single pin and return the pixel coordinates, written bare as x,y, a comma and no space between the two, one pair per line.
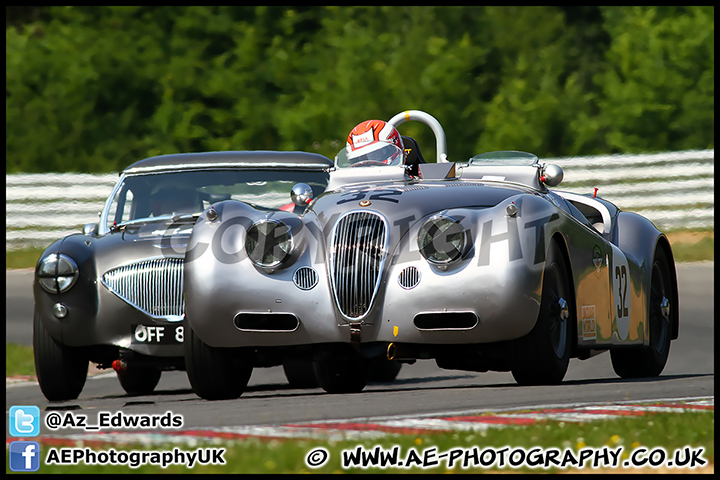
551,175
301,194
90,229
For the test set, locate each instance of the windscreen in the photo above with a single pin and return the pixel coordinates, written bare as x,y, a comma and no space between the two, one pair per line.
156,196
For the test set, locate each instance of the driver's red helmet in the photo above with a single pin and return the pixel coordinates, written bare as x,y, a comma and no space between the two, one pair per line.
368,139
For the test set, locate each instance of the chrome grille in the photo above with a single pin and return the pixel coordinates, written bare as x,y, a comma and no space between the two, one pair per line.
305,278
153,286
358,250
409,278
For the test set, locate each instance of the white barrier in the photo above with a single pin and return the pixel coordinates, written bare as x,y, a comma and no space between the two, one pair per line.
675,190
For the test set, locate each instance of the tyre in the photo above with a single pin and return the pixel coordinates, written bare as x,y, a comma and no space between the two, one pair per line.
383,370
139,380
544,353
61,370
649,360
342,375
214,373
300,374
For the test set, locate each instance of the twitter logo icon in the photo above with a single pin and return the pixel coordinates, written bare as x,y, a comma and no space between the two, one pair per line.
24,421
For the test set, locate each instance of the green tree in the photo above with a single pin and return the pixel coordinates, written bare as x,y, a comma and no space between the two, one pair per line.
657,91
97,88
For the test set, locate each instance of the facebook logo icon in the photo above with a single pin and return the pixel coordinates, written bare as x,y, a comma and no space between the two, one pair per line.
24,421
24,456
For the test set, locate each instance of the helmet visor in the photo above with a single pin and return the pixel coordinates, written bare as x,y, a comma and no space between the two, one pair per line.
384,154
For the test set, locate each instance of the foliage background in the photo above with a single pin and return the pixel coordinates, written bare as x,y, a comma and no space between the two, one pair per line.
93,89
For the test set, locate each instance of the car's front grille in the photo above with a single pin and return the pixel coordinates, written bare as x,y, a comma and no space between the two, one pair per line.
358,250
153,286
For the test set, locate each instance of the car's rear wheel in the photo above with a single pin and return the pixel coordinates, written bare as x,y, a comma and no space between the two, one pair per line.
649,360
344,374
544,354
139,380
214,373
61,370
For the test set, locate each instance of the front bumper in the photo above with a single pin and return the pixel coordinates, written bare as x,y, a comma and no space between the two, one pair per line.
236,305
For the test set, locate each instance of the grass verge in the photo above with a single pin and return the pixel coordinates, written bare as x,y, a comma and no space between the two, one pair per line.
692,245
19,360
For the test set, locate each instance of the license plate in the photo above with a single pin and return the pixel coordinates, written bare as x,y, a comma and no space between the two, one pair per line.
157,334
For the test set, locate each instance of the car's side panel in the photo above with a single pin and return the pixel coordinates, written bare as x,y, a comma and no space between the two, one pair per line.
638,238
628,300
589,255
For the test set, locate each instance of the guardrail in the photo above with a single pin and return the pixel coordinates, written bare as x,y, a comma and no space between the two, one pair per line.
675,190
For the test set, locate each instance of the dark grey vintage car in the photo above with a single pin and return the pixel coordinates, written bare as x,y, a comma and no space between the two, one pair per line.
113,294
476,264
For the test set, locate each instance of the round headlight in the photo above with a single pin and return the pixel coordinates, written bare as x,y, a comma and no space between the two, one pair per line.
57,273
268,243
441,240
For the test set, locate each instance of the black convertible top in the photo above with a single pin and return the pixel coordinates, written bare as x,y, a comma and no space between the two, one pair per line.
252,159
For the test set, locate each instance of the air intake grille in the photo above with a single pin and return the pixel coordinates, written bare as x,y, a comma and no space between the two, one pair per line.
357,257
409,278
305,278
152,286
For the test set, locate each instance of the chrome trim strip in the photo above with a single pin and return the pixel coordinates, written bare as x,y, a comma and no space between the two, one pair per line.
226,165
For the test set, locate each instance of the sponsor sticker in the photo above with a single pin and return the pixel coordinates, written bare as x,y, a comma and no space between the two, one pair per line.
597,259
588,322
363,139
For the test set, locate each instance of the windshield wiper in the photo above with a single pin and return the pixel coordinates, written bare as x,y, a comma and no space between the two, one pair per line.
178,217
185,216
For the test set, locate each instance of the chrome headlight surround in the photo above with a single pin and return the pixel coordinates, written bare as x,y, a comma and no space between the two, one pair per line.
442,240
268,243
57,273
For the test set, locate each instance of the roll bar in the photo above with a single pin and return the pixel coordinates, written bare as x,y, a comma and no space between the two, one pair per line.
430,121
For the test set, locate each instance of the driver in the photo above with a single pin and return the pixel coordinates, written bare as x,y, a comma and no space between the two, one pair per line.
374,142
172,199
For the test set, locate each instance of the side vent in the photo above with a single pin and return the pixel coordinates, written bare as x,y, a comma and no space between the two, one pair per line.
409,278
305,278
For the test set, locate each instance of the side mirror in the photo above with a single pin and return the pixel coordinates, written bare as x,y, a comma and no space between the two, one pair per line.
90,229
551,175
301,194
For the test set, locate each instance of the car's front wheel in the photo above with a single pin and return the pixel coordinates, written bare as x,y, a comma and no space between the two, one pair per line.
544,354
214,373
344,374
383,370
61,370
650,360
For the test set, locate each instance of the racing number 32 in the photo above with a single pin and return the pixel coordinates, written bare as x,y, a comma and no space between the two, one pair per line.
621,277
380,194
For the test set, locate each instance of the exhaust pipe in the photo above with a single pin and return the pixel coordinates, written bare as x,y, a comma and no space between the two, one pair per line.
400,353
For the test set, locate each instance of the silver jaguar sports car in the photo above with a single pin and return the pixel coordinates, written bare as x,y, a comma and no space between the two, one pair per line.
113,295
476,264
